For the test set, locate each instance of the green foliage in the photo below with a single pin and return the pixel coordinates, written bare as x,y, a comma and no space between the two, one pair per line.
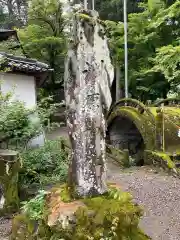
18,124
153,41
15,125
155,5
43,38
45,165
11,46
119,195
113,9
105,217
34,208
112,218
66,193
153,49
45,109
167,62
115,32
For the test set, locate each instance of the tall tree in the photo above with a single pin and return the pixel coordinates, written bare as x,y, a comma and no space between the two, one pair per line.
15,12
113,9
152,35
44,39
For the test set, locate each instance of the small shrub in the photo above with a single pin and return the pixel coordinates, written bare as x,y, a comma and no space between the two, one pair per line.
16,125
33,209
45,165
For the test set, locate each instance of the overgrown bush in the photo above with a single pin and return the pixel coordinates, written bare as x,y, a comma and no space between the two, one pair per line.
109,217
18,124
45,165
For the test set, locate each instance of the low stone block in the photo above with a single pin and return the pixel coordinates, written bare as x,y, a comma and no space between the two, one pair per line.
9,168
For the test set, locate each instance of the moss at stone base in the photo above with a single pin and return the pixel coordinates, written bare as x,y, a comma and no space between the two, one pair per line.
111,216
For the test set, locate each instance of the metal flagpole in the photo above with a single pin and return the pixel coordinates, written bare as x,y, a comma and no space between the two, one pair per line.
93,5
163,129
85,4
125,49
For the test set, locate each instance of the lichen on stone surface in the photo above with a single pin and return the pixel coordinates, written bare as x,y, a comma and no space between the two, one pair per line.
88,77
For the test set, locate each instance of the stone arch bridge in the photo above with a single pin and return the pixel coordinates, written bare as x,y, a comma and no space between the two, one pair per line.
137,127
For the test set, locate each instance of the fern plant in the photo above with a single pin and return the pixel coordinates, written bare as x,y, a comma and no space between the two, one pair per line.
117,194
34,208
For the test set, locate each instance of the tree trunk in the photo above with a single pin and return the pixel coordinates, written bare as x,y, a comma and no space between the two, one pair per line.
10,8
88,78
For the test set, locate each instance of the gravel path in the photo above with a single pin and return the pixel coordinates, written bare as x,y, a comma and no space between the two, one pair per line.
159,194
5,228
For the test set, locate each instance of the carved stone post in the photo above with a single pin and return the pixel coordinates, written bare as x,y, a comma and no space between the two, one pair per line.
9,169
88,78
159,129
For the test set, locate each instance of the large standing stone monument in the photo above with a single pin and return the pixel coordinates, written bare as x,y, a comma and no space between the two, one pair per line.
88,78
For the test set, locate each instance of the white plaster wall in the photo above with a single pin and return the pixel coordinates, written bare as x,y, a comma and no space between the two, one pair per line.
24,89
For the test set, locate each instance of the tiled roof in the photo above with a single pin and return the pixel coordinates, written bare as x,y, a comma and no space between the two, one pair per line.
23,64
2,30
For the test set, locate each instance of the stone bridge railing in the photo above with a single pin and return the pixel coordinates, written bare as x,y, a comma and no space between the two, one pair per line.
129,102
172,102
